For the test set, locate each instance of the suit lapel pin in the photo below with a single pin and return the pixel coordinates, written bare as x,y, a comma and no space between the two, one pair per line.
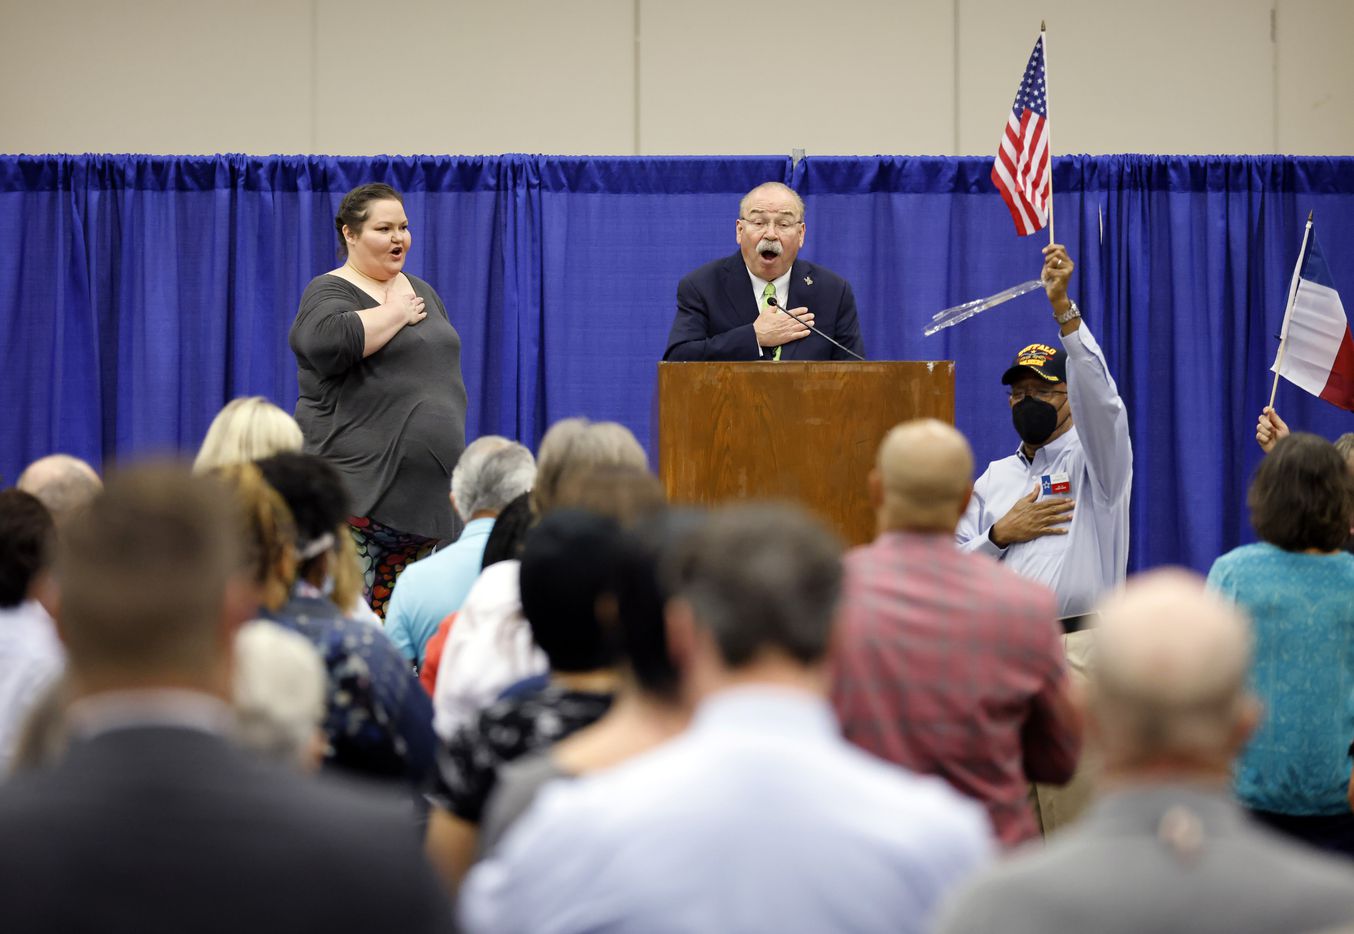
808,280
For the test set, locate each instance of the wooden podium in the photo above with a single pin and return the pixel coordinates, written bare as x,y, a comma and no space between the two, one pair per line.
807,432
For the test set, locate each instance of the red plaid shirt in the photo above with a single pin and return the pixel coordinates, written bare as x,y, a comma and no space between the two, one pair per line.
949,664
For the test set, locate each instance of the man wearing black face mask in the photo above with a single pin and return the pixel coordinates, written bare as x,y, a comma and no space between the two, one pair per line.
1056,511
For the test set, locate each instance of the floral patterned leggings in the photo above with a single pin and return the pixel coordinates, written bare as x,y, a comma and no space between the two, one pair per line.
384,553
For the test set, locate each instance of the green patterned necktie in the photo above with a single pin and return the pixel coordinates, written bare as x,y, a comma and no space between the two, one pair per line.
768,293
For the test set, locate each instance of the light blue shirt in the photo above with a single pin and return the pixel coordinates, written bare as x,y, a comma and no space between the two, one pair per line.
758,818
1095,459
1302,610
433,588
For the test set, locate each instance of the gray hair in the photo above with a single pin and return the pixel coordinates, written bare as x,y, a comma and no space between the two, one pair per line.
491,473
279,692
761,578
575,445
1345,444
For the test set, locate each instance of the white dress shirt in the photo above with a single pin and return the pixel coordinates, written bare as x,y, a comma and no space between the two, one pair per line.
782,285
489,648
759,818
1096,458
31,658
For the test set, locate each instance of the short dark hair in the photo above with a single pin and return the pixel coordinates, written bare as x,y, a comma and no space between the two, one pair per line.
566,565
355,208
509,532
1302,495
761,577
143,571
26,532
313,491
642,594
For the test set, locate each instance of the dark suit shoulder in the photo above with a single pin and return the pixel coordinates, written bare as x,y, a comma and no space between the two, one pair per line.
820,275
205,824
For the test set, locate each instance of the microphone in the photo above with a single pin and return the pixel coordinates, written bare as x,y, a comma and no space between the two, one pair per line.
772,303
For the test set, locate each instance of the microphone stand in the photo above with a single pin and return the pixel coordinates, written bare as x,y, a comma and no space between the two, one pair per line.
772,303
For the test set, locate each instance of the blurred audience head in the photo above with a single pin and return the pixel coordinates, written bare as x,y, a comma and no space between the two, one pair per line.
268,540
637,595
65,484
761,582
923,477
574,445
491,472
27,537
247,429
566,564
280,685
1344,445
145,577
624,492
319,505
1302,496
509,532
1169,685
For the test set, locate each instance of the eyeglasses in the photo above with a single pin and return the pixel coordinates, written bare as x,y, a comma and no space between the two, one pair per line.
1043,395
761,222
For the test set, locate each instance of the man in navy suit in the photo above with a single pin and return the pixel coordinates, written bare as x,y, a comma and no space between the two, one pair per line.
723,311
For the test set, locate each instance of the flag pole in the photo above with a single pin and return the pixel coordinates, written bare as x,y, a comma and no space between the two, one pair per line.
1288,311
1048,126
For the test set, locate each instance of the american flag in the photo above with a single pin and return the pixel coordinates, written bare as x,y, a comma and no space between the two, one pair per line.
1020,171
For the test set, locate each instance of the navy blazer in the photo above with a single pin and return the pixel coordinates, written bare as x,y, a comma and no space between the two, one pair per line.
158,830
716,308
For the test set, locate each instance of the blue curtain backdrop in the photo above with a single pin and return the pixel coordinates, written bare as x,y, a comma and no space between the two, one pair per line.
138,294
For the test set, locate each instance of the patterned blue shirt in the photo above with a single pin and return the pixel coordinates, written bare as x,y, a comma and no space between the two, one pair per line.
1302,607
378,718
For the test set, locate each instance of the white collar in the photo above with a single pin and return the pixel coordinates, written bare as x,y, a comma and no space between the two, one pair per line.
122,710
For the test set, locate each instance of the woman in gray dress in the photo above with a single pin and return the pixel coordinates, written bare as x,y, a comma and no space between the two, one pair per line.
381,394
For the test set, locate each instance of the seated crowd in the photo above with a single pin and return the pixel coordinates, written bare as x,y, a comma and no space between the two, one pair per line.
598,711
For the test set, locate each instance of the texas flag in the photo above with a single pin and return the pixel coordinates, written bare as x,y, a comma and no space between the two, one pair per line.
1316,350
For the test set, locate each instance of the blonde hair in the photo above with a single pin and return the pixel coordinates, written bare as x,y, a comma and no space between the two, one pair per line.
574,445
247,429
269,532
346,571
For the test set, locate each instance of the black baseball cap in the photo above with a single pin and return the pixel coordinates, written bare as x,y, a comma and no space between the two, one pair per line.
1040,360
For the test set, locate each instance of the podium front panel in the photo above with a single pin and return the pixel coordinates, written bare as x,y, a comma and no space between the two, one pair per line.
806,432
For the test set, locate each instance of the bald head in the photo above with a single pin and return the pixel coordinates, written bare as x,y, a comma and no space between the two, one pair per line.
923,477
65,484
1171,660
775,189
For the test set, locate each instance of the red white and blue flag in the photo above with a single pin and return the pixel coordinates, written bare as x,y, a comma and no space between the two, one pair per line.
1316,348
1020,171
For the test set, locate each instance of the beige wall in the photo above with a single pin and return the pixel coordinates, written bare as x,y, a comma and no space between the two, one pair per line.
669,76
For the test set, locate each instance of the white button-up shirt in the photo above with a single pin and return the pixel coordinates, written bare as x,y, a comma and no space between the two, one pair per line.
1097,460
759,818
